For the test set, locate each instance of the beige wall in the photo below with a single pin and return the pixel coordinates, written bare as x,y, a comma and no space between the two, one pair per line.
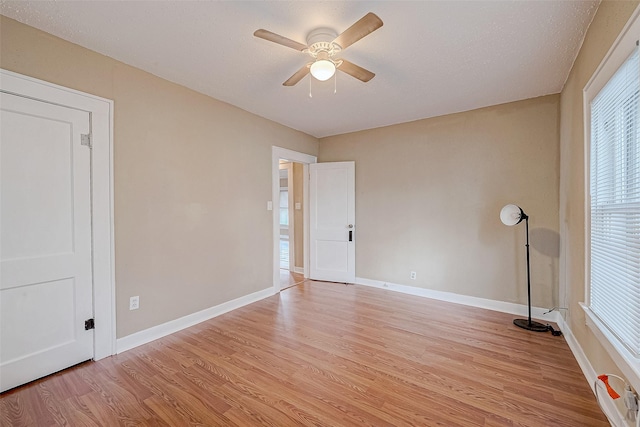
191,226
607,24
429,194
298,215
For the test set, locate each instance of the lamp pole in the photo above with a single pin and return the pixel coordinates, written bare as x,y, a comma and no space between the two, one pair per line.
528,323
526,223
513,215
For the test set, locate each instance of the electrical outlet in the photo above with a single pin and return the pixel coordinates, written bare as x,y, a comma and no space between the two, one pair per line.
134,303
630,399
413,275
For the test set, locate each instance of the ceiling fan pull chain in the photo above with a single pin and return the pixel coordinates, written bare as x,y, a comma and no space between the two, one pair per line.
310,96
335,83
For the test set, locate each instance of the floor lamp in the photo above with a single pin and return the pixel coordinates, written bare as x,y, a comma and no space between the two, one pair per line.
513,215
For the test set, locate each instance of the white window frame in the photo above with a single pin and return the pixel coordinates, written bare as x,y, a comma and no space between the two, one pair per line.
617,55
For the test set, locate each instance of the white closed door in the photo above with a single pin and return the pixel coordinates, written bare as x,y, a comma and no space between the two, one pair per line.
46,291
332,216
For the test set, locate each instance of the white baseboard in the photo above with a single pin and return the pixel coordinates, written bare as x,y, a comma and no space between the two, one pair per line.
156,332
505,307
590,374
299,270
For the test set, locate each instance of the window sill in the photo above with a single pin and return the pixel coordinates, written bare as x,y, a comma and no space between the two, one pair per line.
628,364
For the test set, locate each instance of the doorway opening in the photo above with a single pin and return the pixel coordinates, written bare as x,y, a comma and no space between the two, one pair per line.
290,217
286,215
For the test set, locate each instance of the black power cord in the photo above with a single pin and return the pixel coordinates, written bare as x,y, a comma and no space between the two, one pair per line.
554,332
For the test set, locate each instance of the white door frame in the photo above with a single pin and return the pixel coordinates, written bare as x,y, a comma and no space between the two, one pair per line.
278,153
101,116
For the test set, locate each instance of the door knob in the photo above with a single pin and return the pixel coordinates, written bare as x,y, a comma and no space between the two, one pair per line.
350,226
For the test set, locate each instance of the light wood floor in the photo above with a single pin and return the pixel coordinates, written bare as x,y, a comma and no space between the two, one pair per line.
323,354
289,278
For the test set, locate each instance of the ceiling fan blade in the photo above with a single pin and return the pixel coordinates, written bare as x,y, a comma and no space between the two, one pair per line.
356,71
277,38
298,75
366,25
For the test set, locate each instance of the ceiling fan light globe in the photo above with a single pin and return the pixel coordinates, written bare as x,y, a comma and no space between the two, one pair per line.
323,69
511,215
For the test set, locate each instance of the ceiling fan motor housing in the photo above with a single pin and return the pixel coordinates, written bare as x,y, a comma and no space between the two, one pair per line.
320,43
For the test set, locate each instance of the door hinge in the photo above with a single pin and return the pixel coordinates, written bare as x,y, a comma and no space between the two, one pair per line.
85,139
89,324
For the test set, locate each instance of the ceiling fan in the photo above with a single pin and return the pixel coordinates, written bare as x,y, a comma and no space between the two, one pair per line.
323,44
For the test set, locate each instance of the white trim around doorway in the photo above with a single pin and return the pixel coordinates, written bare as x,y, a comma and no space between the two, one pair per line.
278,153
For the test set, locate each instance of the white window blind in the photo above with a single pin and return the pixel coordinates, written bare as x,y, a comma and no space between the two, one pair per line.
615,204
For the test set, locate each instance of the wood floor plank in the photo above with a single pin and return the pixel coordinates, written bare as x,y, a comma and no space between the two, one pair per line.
51,402
324,354
79,412
16,411
291,395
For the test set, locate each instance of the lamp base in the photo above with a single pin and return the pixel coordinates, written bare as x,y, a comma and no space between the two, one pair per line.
531,325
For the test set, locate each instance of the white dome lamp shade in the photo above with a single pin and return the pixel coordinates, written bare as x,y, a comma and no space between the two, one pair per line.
323,69
513,215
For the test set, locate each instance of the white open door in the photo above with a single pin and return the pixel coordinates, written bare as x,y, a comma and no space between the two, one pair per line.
46,291
332,221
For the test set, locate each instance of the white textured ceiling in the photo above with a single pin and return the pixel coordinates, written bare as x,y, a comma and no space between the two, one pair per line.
430,58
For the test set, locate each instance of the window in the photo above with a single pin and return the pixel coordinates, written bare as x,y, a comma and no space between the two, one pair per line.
614,268
284,207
